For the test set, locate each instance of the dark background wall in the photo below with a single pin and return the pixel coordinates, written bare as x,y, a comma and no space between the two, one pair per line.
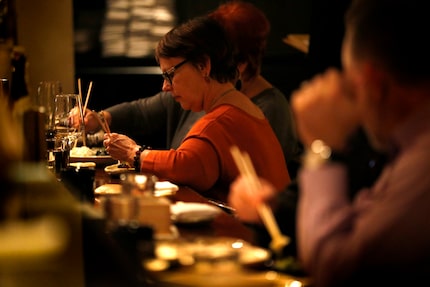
118,79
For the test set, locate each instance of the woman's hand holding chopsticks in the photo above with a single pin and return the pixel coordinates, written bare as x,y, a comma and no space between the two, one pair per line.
94,122
120,147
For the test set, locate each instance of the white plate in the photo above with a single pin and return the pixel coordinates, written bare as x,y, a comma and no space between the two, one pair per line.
162,188
98,159
86,164
83,154
165,188
193,212
108,189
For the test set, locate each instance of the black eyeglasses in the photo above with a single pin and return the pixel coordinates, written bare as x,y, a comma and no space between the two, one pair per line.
168,75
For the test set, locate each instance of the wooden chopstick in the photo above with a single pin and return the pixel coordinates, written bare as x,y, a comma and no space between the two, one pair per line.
80,101
106,125
83,108
84,137
103,123
88,96
246,168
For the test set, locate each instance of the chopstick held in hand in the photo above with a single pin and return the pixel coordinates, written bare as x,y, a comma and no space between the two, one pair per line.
104,125
246,169
88,97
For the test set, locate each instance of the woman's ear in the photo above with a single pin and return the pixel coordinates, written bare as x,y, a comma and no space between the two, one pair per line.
242,67
205,67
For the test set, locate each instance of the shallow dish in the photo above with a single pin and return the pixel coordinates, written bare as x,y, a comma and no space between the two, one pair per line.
193,212
108,189
116,169
165,188
86,164
98,159
97,155
213,249
162,188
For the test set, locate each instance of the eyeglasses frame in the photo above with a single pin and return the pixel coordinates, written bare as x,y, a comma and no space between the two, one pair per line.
170,73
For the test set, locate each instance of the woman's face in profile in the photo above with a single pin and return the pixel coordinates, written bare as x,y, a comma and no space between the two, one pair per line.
183,81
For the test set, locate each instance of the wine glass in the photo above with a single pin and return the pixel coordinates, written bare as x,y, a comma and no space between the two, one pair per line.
46,92
67,131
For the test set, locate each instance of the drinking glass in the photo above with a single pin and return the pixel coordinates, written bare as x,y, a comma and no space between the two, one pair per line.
65,128
67,131
46,92
45,98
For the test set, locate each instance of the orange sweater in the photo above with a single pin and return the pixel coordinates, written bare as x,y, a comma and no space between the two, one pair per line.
203,161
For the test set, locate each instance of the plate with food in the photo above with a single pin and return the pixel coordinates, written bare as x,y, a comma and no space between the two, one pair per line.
212,249
98,155
118,168
108,189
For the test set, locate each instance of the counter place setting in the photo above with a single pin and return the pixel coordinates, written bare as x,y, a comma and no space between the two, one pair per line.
170,235
156,233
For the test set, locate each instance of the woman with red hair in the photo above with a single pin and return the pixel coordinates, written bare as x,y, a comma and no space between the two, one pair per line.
248,29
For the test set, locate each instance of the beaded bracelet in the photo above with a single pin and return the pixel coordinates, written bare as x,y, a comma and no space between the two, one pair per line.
136,162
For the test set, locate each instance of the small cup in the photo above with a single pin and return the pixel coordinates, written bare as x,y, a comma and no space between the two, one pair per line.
61,160
137,184
80,181
214,256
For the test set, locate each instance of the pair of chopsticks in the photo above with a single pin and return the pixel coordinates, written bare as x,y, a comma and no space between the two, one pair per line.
102,122
84,107
246,169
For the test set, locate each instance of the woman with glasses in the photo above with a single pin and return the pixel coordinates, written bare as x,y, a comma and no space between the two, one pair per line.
199,70
160,122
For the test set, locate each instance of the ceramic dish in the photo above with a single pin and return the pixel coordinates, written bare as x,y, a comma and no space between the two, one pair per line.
165,188
97,155
108,189
86,164
162,188
193,212
116,169
212,249
99,160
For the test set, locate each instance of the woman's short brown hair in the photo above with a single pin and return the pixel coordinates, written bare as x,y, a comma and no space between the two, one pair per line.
197,40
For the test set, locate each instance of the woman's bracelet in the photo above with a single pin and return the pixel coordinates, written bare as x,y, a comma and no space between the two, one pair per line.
136,162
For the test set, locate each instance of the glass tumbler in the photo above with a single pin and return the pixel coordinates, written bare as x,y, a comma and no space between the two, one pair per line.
45,98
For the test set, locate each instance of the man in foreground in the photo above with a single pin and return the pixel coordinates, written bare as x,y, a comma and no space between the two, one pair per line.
380,237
